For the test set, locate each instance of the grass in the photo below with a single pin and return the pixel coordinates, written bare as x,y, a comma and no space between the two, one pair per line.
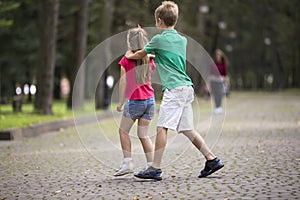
10,119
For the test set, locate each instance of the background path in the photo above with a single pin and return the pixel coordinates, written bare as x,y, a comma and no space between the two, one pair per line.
259,145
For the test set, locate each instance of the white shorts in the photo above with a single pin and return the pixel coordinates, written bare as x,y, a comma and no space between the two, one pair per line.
176,111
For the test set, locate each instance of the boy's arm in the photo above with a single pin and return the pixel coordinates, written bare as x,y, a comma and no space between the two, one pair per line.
137,55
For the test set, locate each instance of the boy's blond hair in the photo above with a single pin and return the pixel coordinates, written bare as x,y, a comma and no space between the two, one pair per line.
168,12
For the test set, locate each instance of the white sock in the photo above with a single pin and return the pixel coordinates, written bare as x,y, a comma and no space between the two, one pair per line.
128,159
149,164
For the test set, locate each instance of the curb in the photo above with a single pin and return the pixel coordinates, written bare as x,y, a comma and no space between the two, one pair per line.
38,129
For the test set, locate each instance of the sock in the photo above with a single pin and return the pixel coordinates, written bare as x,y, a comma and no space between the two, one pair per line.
128,159
149,164
212,159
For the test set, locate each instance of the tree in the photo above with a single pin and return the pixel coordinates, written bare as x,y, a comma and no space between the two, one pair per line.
79,51
106,21
18,48
47,56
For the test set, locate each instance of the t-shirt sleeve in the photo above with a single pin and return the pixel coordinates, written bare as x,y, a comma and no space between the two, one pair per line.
152,45
123,62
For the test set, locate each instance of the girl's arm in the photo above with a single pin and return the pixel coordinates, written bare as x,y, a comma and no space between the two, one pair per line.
122,87
137,55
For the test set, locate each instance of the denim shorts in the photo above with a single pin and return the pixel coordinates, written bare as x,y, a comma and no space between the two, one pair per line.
137,109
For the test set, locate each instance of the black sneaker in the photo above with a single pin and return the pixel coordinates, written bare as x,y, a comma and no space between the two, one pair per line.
150,173
211,166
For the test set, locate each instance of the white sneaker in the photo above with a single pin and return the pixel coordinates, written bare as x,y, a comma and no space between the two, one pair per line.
126,168
218,110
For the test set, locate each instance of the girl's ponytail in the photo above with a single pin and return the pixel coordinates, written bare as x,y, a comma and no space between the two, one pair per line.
136,40
142,71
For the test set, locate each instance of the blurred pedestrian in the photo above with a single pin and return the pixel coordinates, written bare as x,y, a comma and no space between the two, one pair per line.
218,80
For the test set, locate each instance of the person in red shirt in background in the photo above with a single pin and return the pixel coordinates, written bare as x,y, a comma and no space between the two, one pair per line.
218,80
135,85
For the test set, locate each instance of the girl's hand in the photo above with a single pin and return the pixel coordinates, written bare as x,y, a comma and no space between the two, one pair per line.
119,107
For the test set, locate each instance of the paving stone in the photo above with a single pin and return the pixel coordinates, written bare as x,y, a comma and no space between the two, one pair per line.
259,145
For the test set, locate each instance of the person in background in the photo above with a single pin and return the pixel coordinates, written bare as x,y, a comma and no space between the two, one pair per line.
218,80
135,86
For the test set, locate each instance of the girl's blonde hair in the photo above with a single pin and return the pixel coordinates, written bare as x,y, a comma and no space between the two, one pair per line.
136,40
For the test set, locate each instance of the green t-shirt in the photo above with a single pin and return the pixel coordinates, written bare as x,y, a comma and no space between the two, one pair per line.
170,58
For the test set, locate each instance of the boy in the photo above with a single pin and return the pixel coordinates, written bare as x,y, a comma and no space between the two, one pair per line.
178,93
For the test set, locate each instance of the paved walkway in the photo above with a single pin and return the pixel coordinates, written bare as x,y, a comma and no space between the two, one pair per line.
259,145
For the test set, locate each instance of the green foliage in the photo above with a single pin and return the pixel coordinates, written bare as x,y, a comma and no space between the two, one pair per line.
248,24
19,43
6,23
6,11
7,6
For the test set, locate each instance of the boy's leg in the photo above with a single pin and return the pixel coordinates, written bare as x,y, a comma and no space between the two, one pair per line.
160,145
199,143
212,163
143,125
154,171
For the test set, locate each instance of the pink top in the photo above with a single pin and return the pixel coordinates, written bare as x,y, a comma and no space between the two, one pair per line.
136,91
219,69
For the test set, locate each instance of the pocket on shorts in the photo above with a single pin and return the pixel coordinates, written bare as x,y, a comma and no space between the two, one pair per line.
167,96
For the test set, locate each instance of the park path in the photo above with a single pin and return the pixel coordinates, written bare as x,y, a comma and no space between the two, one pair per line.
259,145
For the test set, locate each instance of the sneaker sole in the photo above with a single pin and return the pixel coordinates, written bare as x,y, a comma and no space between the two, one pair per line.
153,178
123,173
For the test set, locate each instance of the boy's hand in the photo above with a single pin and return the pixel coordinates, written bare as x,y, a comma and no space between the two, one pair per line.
137,55
151,55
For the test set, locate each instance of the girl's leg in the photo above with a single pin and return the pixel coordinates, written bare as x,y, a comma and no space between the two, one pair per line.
215,92
126,124
220,90
142,131
160,145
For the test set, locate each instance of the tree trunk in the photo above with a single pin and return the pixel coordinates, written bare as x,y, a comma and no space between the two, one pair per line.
295,71
193,72
47,56
102,100
77,71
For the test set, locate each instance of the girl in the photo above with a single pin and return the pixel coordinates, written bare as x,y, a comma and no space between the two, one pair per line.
219,81
135,85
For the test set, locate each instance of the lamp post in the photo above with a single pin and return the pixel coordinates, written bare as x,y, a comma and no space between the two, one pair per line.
204,9
202,22
222,25
203,26
232,36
